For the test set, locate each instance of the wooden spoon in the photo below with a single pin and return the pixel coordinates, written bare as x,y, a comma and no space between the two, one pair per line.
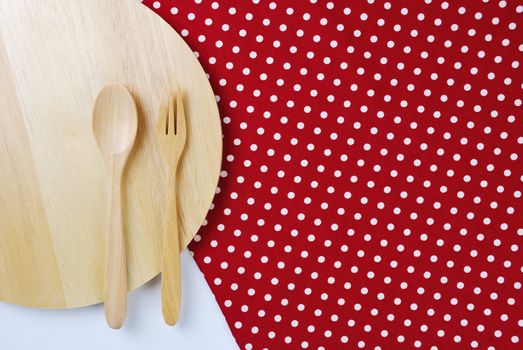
115,123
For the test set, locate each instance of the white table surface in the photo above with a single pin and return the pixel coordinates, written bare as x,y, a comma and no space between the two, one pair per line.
201,327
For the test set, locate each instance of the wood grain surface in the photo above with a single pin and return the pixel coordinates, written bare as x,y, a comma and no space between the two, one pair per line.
55,56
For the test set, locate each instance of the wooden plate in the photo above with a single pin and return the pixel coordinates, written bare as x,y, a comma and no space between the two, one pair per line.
55,56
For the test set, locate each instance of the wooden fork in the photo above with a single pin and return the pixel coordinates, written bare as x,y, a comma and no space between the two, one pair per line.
171,134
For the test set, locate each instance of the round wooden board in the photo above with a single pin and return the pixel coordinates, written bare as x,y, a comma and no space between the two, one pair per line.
55,55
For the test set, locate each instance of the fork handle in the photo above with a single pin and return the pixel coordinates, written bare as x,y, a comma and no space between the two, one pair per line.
171,292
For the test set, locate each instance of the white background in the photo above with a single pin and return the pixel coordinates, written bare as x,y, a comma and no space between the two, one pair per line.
201,326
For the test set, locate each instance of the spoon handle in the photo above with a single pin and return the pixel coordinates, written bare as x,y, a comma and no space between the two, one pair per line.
171,290
115,258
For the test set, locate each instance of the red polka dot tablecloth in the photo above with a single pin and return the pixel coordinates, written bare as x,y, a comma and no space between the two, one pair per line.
371,186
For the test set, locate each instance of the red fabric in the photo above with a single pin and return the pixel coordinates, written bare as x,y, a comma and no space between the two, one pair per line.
372,175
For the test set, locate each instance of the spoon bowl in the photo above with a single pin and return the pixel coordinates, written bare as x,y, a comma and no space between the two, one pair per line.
115,120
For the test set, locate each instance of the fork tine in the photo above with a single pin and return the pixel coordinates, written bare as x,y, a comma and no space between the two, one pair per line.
161,124
171,123
180,113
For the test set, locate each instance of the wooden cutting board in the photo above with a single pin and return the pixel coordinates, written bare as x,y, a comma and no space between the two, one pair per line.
55,55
